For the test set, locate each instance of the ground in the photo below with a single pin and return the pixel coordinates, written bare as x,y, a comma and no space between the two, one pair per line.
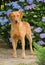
6,57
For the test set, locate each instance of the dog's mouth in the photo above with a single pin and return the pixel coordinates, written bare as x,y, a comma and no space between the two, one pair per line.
16,21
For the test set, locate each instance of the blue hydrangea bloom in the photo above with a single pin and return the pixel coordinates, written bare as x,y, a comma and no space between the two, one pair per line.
15,5
40,42
38,30
4,21
30,1
42,35
21,9
8,11
21,0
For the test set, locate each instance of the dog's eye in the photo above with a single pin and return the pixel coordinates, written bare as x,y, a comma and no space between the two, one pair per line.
17,15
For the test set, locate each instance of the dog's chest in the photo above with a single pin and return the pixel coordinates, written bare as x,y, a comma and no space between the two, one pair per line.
15,31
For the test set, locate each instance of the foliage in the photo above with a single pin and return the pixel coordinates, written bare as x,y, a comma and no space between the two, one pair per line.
34,13
40,52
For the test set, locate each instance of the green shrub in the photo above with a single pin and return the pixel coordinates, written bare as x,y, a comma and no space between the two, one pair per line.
40,52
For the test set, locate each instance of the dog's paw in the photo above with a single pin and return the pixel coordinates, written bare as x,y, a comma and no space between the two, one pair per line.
15,56
23,56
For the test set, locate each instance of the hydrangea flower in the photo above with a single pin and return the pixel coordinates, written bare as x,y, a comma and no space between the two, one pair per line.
33,5
4,21
8,11
15,5
30,1
44,1
0,13
32,27
43,19
21,0
39,0
10,39
21,9
27,7
38,30
42,35
40,42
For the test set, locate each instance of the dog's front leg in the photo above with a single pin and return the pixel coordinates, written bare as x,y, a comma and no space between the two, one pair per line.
23,47
14,48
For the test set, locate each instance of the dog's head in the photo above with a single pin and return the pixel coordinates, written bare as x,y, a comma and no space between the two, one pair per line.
15,16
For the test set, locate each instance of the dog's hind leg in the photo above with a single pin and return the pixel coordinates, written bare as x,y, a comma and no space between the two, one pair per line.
30,42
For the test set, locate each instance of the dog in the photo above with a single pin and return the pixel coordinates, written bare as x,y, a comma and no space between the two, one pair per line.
19,30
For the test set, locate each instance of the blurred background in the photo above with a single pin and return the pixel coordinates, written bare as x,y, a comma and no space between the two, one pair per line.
34,13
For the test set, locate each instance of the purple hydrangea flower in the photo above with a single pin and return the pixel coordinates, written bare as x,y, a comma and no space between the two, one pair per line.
10,39
21,0
33,5
38,30
27,7
40,42
44,1
39,0
43,19
15,5
4,21
30,1
42,35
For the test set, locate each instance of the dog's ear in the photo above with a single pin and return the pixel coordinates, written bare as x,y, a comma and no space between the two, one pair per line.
21,14
9,15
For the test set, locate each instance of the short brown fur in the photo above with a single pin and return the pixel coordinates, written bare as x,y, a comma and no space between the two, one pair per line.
19,30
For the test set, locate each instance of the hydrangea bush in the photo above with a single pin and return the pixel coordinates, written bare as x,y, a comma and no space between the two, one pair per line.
34,13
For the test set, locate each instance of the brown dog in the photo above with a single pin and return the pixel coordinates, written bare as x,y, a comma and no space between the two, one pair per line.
19,30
